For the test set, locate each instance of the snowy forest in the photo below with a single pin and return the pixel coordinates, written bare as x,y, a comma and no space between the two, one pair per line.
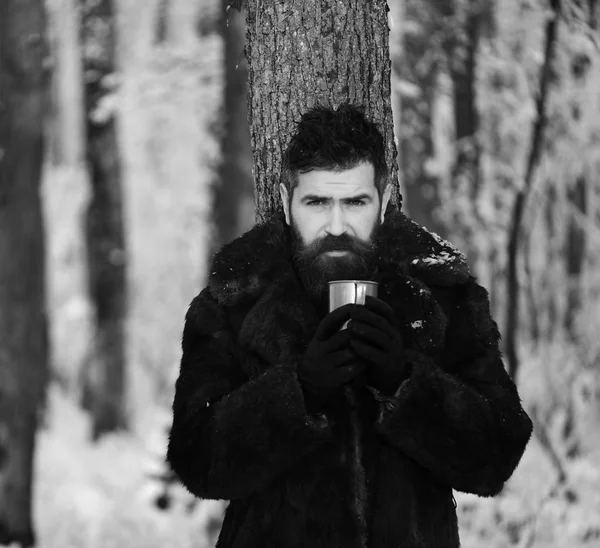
130,151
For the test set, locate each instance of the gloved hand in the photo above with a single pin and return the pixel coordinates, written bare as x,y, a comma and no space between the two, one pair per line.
376,340
328,362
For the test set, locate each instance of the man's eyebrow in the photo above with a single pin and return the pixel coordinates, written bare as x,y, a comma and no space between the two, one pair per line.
310,197
359,197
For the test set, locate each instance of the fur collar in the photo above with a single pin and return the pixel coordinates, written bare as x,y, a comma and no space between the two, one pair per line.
243,269
256,272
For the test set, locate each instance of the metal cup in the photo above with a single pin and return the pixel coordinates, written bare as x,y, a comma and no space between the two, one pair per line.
343,292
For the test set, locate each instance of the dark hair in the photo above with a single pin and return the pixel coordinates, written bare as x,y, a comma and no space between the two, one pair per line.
334,140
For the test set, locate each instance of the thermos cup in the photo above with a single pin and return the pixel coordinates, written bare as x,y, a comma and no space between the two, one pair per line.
343,292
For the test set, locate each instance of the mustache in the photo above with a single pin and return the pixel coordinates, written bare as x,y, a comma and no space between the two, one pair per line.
343,242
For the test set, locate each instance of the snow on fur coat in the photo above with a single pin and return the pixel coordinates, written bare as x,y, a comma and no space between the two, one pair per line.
241,431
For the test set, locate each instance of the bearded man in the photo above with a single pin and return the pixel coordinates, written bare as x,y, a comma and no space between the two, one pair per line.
259,414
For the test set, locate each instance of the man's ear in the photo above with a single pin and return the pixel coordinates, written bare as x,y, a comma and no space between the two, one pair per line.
387,194
283,192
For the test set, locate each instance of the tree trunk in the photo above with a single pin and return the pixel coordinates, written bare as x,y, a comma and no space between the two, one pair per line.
575,254
417,83
513,282
306,52
396,45
235,174
105,389
23,325
552,273
594,9
465,180
533,309
68,139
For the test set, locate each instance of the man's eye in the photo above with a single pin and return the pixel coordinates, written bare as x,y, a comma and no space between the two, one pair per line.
315,202
356,202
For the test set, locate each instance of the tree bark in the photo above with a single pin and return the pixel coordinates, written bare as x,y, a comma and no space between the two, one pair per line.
396,45
306,52
104,391
235,174
302,53
23,325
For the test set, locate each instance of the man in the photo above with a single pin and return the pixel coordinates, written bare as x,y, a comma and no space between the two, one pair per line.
259,415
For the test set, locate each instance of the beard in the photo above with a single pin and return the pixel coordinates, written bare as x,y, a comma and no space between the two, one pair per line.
315,268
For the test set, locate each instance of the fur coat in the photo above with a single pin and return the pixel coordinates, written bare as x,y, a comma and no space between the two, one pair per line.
241,431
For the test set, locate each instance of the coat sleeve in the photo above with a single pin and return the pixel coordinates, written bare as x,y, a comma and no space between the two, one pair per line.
463,421
231,435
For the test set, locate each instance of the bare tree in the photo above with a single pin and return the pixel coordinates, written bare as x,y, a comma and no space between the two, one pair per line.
67,138
23,325
512,317
417,73
235,172
104,391
465,179
575,252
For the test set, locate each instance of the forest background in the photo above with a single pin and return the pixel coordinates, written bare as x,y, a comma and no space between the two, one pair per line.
497,121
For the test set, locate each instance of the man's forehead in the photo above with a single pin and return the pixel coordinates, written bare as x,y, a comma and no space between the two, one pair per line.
335,183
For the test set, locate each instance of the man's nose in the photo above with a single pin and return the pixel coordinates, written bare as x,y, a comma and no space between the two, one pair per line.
337,222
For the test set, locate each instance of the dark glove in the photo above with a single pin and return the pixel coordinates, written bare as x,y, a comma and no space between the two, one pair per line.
376,340
328,362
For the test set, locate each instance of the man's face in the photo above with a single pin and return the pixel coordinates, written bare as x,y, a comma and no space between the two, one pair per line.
333,218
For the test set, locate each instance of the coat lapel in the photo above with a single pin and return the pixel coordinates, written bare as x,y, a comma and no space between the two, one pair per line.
280,324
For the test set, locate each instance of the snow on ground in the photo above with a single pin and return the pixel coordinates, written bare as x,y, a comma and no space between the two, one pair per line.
524,515
101,496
